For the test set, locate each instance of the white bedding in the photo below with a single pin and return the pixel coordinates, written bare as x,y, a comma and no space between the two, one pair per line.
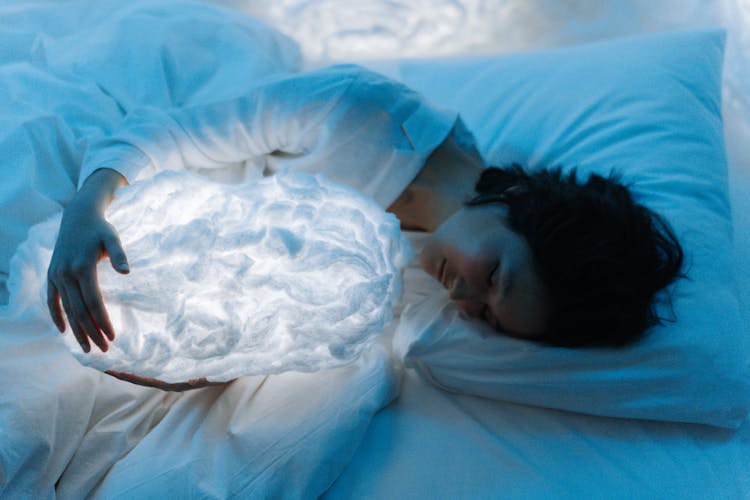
434,444
70,431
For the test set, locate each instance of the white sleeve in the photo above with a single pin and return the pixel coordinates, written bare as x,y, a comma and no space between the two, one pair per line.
354,126
376,139
281,115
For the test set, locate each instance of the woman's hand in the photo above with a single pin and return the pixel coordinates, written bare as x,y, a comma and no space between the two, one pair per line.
84,238
152,382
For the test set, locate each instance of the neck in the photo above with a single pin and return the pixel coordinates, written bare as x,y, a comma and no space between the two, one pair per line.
443,185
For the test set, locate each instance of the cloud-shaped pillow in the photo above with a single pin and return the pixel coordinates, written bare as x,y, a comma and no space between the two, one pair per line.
288,272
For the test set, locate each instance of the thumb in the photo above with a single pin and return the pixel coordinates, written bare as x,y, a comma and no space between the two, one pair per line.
116,254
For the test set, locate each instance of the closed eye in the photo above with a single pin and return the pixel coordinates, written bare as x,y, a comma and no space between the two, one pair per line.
491,278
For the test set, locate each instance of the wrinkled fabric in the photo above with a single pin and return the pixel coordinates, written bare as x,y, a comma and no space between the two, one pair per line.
71,71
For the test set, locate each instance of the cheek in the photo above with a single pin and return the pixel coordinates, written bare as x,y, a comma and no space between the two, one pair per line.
471,308
433,254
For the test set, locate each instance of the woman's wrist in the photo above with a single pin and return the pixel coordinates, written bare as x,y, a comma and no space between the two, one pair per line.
98,189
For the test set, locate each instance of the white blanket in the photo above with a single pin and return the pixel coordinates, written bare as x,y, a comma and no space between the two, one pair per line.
72,71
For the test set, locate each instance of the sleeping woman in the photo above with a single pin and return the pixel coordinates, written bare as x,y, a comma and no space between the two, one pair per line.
543,256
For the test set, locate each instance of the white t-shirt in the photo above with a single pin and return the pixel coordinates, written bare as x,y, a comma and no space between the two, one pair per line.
350,124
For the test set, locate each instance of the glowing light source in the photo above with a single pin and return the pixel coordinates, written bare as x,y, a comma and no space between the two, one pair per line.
288,272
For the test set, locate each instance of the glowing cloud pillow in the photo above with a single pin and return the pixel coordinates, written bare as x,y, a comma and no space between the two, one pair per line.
288,272
649,107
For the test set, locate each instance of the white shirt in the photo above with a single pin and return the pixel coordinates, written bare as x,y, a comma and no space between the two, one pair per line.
350,124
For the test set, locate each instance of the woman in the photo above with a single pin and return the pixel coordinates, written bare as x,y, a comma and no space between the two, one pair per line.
538,256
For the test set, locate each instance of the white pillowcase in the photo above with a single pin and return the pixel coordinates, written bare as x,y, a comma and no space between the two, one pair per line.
648,107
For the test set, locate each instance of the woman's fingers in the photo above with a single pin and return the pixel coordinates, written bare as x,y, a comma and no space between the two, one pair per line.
78,332
92,300
53,304
83,319
84,307
117,256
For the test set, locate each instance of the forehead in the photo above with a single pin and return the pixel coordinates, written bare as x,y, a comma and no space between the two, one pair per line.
485,211
477,222
486,228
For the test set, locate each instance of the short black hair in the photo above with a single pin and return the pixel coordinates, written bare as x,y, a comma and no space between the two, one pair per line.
600,255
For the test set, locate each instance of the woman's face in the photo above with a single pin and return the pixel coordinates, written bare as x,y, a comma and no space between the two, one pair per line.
488,269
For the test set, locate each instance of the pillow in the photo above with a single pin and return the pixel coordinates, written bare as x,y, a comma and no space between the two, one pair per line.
317,266
648,107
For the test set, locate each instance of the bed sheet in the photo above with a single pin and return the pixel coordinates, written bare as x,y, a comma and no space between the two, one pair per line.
433,444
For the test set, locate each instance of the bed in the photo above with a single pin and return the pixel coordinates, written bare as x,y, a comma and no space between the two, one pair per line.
440,407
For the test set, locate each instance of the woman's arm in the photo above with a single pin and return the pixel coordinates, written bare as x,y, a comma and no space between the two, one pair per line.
281,115
84,238
352,125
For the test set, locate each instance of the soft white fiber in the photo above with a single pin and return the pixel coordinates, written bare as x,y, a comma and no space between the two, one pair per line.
288,272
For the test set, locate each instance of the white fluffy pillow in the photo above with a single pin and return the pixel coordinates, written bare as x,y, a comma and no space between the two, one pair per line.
290,272
648,107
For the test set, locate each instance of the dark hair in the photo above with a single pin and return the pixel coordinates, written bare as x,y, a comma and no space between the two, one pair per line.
600,255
